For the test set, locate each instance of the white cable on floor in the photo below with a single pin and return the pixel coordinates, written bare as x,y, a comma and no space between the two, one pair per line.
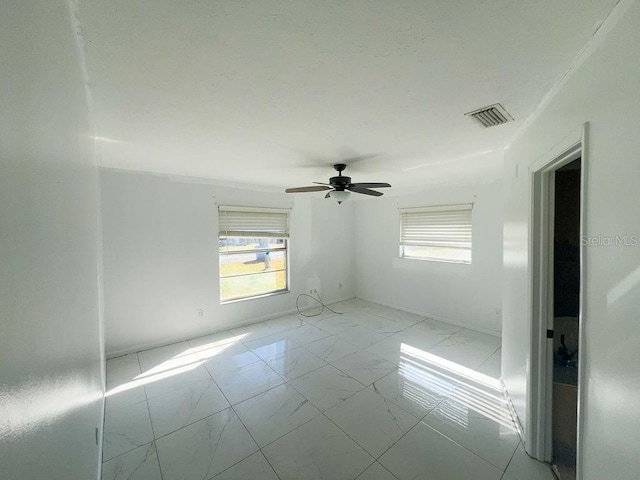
319,300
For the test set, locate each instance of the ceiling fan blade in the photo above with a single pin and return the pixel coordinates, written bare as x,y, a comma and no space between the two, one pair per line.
370,185
365,191
320,183
306,189
359,158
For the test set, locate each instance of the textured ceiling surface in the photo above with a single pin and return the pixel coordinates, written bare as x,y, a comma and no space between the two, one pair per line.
274,92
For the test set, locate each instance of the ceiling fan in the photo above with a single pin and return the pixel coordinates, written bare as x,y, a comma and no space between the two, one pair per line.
341,186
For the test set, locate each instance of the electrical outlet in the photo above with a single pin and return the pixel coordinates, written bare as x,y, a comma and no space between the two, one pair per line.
200,312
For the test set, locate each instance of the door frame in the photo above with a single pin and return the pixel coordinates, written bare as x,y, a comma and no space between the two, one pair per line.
540,382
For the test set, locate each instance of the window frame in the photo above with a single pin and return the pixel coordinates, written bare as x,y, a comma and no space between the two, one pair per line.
252,233
436,209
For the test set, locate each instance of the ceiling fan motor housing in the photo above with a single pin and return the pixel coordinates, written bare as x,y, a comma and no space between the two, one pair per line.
340,183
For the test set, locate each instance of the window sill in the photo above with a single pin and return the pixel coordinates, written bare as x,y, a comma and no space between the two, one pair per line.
459,262
254,297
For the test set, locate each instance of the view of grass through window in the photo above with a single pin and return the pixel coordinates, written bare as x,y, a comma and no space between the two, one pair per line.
450,254
252,267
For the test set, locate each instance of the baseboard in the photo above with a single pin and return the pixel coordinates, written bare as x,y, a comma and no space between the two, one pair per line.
437,317
514,414
270,316
101,433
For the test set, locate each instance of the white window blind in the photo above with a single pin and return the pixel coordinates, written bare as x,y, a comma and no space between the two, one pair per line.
253,222
436,233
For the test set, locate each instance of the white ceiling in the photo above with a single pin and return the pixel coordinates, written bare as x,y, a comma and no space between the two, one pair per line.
274,92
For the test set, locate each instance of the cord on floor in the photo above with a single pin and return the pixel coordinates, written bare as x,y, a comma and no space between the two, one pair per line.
318,300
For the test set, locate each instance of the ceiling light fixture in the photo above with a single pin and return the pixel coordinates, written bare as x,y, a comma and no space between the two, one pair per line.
340,195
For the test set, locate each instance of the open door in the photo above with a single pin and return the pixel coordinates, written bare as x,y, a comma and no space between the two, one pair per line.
564,313
557,310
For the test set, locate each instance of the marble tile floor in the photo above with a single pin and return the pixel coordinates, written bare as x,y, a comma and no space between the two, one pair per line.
372,394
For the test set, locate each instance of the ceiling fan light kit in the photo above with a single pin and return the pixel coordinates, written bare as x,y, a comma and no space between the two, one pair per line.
340,186
340,195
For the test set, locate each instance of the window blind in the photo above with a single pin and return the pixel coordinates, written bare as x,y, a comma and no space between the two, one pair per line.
253,222
446,226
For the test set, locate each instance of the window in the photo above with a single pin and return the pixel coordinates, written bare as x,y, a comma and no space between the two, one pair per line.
436,233
253,247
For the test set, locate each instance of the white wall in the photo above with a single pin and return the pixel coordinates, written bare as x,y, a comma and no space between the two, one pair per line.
50,346
462,294
161,256
603,90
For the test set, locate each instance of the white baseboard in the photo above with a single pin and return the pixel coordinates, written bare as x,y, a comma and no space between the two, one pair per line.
437,317
514,414
101,435
270,316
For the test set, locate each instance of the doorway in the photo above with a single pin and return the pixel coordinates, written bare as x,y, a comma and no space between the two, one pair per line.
566,320
557,308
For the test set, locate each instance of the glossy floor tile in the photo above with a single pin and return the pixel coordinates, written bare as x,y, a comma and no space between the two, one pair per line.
392,348
336,323
125,368
254,331
370,394
205,448
162,359
248,381
376,472
331,348
372,421
359,336
305,334
327,386
140,464
295,363
523,467
122,393
218,338
274,413
272,345
219,359
252,467
415,391
184,406
461,353
173,379
287,322
424,453
364,366
437,327
406,318
481,426
384,326
317,450
126,429
479,340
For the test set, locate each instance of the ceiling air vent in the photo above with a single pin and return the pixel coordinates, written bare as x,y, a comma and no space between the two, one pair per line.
490,116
